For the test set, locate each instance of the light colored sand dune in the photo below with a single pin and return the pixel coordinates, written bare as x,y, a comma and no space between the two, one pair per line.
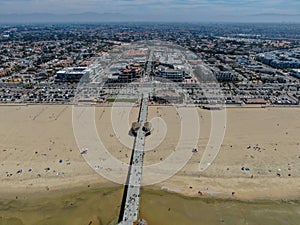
33,140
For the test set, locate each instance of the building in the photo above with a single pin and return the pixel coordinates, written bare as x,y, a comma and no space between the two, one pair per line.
147,128
135,127
296,73
73,74
131,73
279,60
176,75
225,76
256,101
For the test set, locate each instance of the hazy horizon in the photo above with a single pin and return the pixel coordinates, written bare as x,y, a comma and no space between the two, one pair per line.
16,11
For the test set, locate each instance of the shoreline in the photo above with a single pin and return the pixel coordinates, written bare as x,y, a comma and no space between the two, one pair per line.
40,194
67,188
90,207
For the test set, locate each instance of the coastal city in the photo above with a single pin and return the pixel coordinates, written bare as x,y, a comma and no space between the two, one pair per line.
143,123
134,112
46,63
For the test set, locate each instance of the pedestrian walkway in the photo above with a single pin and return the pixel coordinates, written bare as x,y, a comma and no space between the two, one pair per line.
130,210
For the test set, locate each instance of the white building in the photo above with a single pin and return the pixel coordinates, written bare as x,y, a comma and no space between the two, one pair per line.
296,73
73,74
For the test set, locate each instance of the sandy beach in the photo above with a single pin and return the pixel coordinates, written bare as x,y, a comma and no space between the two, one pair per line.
259,158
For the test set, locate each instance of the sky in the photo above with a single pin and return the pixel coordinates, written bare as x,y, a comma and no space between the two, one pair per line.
163,10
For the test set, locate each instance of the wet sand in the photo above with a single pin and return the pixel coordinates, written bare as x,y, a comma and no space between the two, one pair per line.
39,155
101,207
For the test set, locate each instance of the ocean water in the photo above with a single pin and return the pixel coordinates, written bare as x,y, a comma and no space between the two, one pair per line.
102,206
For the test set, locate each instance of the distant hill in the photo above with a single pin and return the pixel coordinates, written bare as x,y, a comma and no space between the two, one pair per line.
81,17
87,17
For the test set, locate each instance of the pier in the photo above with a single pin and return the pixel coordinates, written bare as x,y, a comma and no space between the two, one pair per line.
131,199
